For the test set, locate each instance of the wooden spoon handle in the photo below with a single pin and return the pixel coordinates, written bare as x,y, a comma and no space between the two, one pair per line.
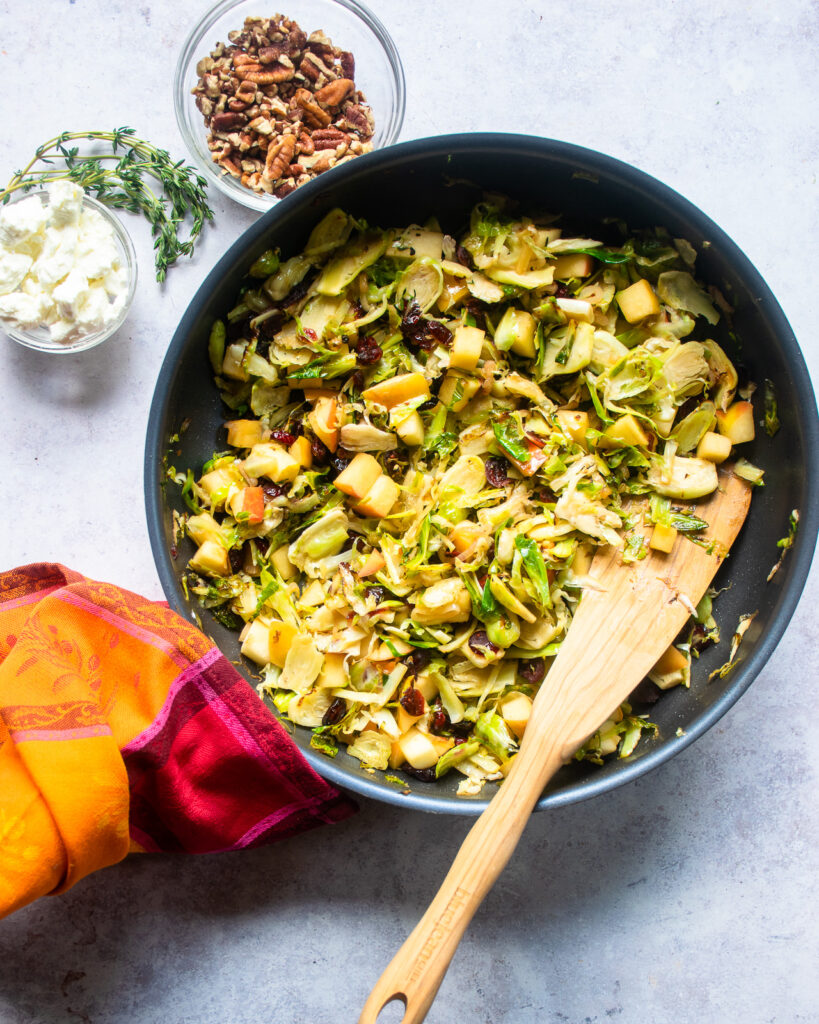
416,971
616,636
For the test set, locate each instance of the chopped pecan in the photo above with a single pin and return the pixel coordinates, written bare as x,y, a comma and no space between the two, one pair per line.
313,114
244,71
357,118
332,94
270,54
227,122
279,155
280,108
273,73
306,144
329,138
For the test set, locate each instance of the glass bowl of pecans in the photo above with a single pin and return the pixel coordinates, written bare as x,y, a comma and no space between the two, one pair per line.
268,101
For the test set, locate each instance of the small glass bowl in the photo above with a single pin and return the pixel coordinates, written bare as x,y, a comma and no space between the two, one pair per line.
40,338
379,73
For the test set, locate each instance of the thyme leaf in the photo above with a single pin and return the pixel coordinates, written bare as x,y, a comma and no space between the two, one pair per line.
119,179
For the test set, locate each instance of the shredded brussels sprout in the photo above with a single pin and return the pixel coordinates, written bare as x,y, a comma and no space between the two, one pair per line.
429,437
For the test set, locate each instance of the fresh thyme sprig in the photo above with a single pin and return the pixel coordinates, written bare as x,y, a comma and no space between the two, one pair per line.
122,185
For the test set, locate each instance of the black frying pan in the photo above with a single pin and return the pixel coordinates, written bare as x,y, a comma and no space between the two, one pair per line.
444,177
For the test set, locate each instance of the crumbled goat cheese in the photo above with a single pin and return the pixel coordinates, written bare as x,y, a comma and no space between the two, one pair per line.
60,267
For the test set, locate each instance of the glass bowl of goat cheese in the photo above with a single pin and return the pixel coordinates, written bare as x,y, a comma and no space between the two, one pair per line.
67,270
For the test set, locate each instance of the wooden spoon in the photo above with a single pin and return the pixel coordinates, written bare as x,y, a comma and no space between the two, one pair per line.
617,635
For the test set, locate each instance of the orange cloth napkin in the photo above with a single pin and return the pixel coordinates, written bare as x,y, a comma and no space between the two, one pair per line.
123,729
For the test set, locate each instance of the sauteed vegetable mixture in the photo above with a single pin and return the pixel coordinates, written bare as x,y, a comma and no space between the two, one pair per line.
429,437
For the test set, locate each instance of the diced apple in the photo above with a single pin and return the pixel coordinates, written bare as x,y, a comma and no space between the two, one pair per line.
625,430
411,429
737,422
662,538
670,670
396,390
464,535
456,390
537,458
359,476
573,264
396,755
203,527
211,558
714,447
374,563
405,720
441,743
576,309
332,675
282,635
255,639
638,301
301,452
312,395
282,564
454,291
218,482
516,710
379,499
324,421
244,433
417,750
466,347
273,461
313,595
575,423
250,505
516,331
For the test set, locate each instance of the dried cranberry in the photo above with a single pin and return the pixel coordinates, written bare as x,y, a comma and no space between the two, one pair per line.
271,491
412,701
282,437
562,292
235,559
421,774
476,311
439,720
440,332
481,644
532,670
270,327
464,257
367,351
495,470
425,334
645,692
297,294
378,594
462,729
319,451
336,711
417,661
